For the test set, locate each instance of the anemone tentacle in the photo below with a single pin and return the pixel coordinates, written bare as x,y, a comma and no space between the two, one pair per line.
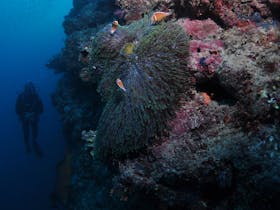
151,61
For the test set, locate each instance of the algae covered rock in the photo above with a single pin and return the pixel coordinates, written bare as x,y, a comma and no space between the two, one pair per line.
150,61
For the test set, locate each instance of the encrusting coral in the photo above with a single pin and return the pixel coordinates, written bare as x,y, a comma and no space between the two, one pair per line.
150,61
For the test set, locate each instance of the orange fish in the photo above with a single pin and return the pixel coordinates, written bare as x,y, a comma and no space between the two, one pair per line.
159,16
120,84
115,25
206,98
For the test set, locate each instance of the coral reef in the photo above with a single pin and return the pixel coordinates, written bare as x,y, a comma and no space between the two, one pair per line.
227,13
205,49
63,180
80,108
250,69
68,59
135,9
186,111
89,138
200,29
216,154
88,14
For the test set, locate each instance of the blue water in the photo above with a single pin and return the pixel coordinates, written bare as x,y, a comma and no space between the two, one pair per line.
31,32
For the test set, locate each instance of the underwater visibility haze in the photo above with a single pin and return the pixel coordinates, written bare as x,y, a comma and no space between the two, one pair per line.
31,33
148,104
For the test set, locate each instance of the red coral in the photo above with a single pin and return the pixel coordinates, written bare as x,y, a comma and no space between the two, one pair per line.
188,117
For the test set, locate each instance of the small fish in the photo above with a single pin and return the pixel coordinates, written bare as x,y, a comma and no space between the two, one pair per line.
115,25
206,98
128,48
120,84
159,16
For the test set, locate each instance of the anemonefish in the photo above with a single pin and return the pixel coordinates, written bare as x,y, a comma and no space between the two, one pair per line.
120,84
159,16
206,98
115,25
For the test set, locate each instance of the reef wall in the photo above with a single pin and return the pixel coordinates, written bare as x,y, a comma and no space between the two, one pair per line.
171,110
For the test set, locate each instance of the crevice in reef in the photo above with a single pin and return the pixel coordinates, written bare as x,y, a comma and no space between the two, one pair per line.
216,91
183,11
274,10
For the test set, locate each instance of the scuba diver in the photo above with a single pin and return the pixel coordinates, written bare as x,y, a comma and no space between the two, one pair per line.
28,107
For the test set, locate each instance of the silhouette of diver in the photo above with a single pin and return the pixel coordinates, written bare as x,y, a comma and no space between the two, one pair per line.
28,107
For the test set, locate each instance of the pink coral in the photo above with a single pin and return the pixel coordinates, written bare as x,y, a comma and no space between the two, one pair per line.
260,6
205,55
205,52
187,118
200,29
224,10
191,115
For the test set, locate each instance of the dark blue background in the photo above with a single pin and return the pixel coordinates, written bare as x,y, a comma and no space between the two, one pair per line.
31,33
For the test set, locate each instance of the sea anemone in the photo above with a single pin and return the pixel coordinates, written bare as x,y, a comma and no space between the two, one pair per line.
151,62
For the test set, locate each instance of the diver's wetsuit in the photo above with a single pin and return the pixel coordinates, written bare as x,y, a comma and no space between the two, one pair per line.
28,107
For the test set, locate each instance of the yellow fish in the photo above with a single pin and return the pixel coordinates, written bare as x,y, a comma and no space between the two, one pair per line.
115,25
120,84
128,48
159,16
